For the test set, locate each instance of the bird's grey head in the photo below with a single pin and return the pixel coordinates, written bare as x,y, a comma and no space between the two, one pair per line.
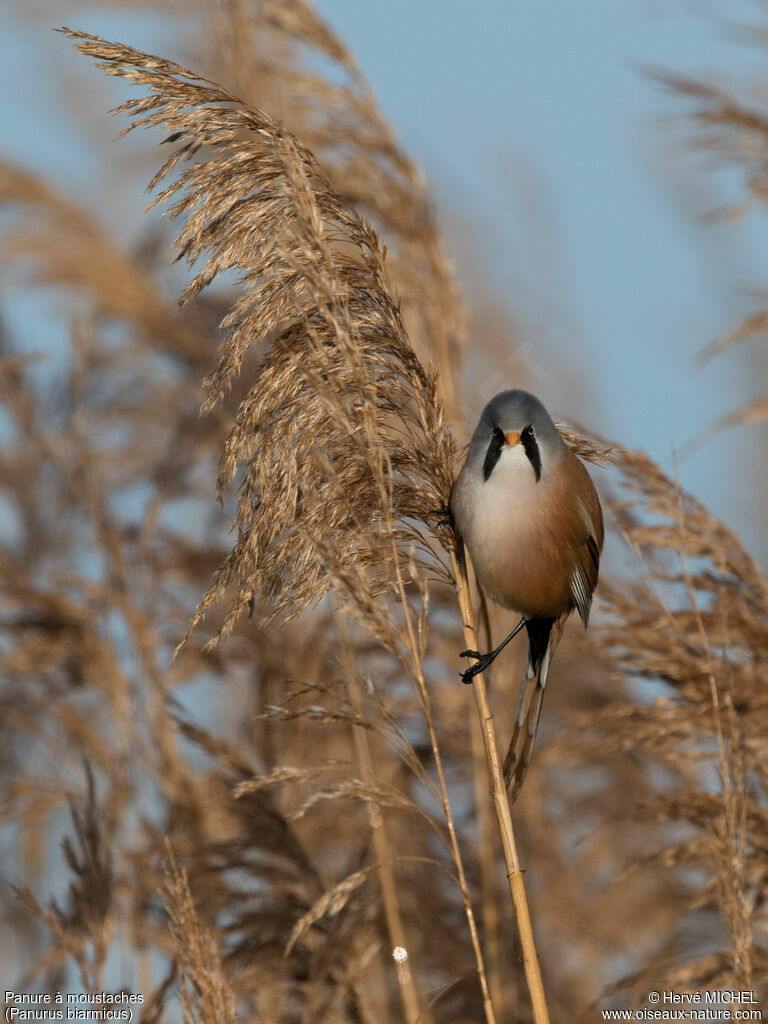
515,421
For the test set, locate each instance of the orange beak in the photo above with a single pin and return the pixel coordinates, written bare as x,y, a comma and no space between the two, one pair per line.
512,438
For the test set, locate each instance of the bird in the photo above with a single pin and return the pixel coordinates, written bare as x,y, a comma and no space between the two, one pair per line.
529,516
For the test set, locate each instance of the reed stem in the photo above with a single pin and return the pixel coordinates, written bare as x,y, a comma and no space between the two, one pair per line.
501,804
392,916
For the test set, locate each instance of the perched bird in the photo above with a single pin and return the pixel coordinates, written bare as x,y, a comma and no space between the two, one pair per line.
531,520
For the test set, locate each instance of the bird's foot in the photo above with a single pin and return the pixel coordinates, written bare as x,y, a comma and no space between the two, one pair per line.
446,517
482,663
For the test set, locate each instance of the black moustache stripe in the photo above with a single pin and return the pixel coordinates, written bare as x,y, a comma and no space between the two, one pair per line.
493,453
532,451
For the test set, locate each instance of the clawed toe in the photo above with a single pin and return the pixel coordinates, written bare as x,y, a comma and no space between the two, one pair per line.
446,516
480,665
469,654
469,675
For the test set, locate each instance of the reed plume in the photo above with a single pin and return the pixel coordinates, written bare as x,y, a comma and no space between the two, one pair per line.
340,389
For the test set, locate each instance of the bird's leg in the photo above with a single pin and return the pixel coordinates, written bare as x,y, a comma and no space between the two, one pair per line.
484,660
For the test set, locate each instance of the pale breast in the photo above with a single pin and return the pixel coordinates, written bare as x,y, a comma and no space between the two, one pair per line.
511,527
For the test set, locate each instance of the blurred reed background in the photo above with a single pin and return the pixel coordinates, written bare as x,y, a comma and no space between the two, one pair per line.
248,831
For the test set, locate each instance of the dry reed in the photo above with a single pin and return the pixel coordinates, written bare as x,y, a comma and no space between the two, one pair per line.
305,793
339,390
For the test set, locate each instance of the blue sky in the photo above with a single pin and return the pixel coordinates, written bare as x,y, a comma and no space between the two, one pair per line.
562,181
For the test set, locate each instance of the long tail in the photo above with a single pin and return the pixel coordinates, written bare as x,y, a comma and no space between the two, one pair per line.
543,635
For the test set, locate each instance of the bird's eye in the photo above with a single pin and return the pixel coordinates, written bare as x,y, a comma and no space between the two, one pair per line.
529,430
496,431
